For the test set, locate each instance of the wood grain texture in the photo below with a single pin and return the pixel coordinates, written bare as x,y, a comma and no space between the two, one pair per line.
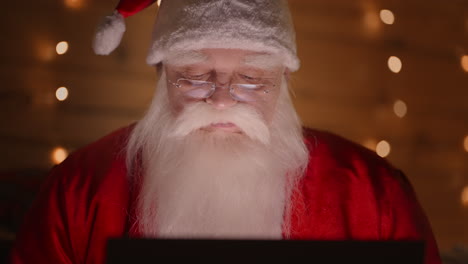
343,86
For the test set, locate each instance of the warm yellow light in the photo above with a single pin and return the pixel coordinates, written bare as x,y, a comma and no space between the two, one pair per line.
383,149
61,93
158,2
62,47
464,196
372,21
394,64
465,143
370,143
464,62
387,16
399,107
74,4
59,154
44,47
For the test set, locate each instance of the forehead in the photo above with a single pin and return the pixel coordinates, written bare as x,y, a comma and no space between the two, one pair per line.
224,58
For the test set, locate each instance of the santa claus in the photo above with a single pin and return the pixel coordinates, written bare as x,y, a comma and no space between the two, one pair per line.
220,153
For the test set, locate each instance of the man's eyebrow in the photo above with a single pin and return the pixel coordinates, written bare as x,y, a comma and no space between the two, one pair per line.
183,58
262,61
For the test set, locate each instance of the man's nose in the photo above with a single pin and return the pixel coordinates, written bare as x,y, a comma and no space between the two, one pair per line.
221,98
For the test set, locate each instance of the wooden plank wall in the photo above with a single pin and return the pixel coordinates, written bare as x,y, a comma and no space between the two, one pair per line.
344,86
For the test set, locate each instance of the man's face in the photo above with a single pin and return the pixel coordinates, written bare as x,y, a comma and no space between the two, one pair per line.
225,67
229,182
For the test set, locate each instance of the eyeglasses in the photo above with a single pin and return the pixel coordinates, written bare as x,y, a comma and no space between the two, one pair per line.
239,92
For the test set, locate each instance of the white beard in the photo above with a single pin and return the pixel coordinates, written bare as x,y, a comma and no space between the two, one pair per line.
200,184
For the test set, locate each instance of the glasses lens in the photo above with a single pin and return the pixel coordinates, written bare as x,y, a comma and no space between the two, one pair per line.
195,89
249,92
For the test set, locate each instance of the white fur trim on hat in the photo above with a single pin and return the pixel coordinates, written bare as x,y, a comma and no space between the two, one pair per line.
109,34
257,25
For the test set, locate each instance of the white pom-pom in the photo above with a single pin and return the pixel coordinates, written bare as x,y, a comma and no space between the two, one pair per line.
109,34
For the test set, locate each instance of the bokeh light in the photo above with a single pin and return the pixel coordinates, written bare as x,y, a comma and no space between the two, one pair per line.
400,108
62,47
394,64
370,143
383,149
158,2
464,196
59,154
387,16
465,143
74,4
371,21
61,94
44,48
464,62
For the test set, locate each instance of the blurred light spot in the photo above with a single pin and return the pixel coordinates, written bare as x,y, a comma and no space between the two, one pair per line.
399,107
74,4
464,196
44,49
371,20
464,62
61,93
394,64
465,143
383,149
59,154
158,2
62,47
370,143
387,16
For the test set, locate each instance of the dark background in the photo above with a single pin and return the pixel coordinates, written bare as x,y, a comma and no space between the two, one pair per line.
344,86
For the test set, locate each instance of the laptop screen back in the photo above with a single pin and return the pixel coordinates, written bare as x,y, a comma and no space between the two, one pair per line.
141,251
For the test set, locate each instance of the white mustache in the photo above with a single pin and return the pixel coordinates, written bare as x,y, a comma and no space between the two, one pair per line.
199,115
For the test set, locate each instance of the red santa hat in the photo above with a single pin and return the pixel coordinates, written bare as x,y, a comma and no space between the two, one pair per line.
257,25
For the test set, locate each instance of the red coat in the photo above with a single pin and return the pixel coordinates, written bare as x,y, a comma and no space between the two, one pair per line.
348,192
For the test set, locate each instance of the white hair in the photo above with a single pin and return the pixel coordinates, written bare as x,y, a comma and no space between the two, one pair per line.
247,119
215,185
264,61
184,57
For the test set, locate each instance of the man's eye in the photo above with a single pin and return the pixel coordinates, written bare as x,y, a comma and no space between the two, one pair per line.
249,78
196,76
